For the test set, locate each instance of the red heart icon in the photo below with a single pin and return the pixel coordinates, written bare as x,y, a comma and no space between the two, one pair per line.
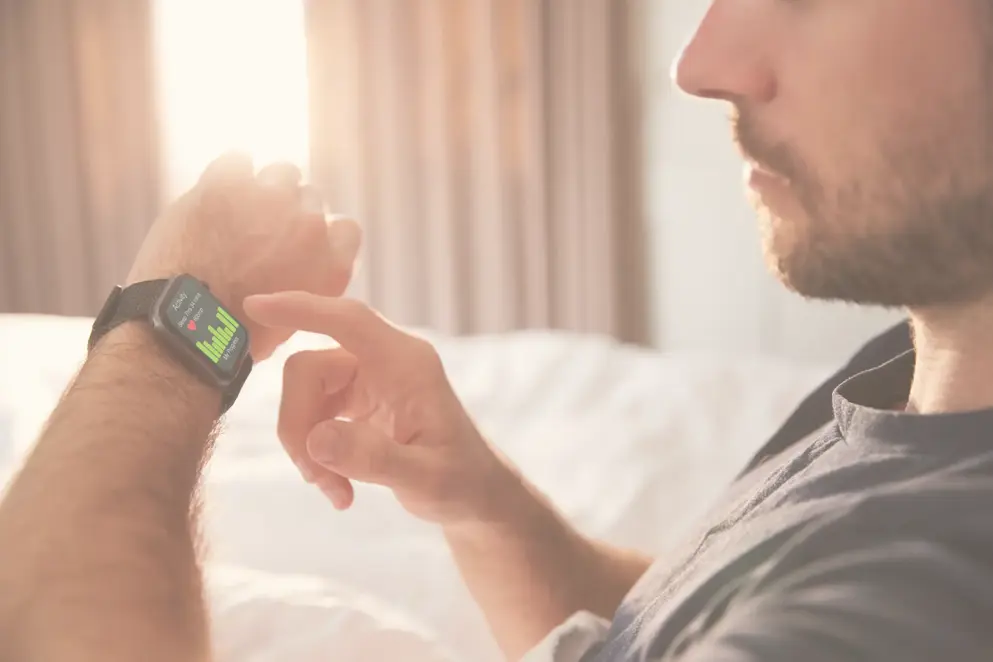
192,326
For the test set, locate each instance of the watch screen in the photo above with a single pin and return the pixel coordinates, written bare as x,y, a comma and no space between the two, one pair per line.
206,325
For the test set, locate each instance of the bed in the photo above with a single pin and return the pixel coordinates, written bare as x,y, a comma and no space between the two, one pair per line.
631,444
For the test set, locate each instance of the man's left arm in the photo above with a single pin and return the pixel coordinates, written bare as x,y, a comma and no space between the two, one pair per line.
98,553
97,533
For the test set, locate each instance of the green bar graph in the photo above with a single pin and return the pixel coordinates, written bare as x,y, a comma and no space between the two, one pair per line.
209,352
227,319
220,336
223,334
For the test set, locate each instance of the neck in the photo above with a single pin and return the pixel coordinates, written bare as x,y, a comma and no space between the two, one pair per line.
954,358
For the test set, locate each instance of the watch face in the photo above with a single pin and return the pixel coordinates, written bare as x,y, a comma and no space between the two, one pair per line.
201,322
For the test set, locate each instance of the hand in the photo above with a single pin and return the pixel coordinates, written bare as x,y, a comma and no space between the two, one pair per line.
379,409
244,234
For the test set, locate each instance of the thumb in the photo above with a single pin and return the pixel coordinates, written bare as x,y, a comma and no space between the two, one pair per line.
362,452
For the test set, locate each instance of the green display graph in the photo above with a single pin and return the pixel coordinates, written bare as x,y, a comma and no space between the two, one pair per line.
220,335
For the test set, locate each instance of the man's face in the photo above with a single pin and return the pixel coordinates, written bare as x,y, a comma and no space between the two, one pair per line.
869,126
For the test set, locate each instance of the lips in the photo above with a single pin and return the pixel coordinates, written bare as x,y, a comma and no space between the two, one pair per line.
764,171
761,179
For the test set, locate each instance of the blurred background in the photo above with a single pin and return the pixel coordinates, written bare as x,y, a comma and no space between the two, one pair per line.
515,163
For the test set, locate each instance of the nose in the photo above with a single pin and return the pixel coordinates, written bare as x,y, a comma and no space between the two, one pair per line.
728,56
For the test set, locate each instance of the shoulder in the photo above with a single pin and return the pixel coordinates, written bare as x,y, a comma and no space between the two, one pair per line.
905,576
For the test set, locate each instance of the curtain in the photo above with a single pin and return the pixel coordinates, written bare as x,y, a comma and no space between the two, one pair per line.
78,156
491,150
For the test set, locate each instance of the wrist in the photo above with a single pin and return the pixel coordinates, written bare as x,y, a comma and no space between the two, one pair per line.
229,293
506,506
135,348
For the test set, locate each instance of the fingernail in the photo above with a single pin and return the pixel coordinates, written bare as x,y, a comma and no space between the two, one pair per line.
253,299
311,201
346,238
250,300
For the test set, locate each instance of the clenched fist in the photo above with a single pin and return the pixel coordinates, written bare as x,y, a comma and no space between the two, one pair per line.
245,233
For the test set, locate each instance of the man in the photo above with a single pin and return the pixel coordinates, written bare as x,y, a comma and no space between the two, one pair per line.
861,532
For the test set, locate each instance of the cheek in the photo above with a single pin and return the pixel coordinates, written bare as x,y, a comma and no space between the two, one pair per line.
873,88
889,151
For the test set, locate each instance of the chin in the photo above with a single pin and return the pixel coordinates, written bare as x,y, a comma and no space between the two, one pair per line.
803,263
782,236
813,270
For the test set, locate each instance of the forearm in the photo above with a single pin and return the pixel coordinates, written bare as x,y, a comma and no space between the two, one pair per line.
533,570
97,554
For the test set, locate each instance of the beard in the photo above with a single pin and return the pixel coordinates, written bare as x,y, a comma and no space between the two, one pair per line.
914,229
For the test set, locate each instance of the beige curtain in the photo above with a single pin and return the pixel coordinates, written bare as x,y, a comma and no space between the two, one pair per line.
491,150
78,158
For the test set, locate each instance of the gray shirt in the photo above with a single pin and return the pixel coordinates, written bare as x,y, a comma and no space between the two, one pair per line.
869,539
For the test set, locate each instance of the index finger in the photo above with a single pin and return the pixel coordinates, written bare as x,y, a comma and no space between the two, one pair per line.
355,326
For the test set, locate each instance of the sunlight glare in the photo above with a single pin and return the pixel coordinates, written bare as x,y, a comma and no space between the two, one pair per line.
232,75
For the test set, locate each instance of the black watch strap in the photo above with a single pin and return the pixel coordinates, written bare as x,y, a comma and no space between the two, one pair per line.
230,394
137,301
126,304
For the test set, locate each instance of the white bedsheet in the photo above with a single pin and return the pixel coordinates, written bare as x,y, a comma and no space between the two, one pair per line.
630,444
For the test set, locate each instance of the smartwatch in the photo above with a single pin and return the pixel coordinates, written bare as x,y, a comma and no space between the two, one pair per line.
197,330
